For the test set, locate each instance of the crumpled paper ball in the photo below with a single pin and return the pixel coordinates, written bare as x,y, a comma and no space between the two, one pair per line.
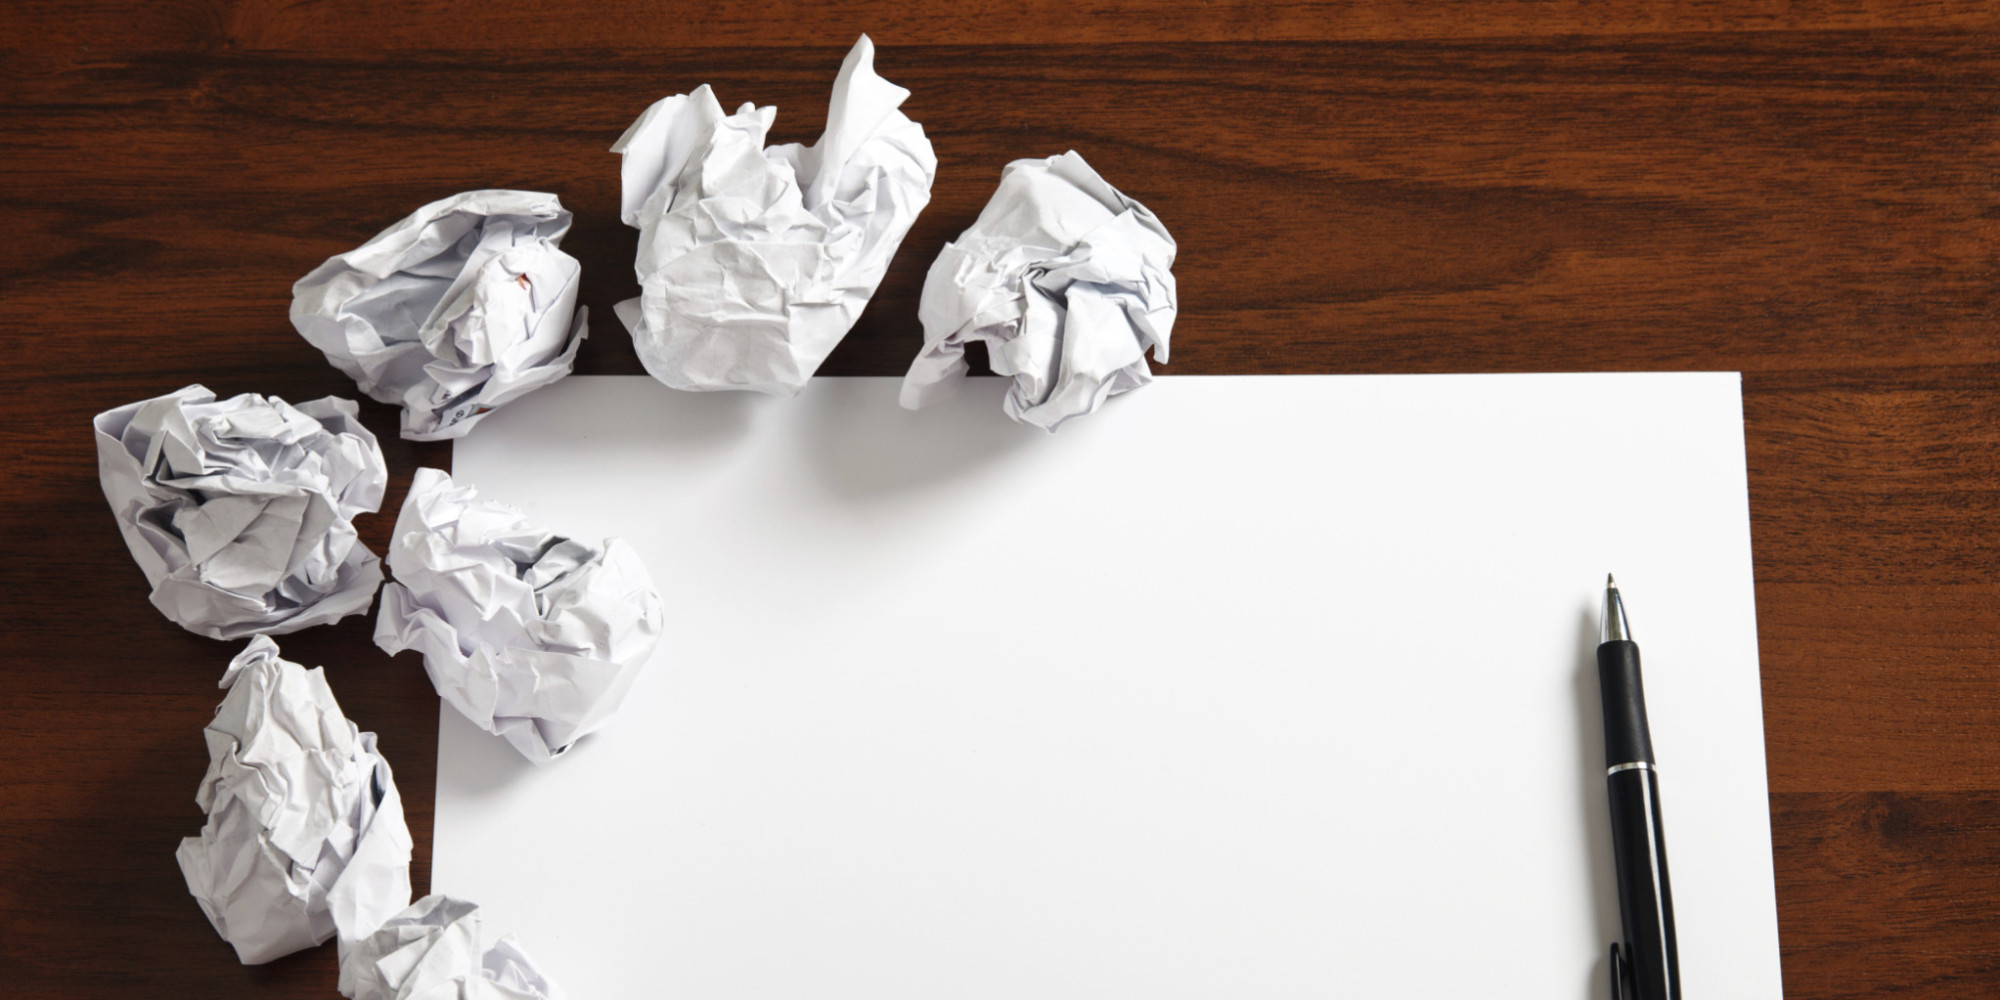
531,635
305,835
753,263
1065,280
465,305
240,510
431,952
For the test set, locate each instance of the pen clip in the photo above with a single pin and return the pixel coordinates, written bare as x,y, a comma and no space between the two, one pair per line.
1621,975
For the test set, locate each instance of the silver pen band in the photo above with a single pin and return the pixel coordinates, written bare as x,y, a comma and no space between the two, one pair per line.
1637,765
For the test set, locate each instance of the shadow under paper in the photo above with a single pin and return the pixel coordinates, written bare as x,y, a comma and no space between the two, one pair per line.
920,448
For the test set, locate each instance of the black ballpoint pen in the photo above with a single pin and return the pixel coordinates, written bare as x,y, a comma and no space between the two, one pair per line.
1648,968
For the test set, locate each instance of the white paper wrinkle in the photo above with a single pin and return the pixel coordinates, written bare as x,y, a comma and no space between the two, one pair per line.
465,305
1066,281
430,951
753,262
240,510
534,636
305,836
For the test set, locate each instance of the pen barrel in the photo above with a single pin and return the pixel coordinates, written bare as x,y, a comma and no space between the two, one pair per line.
1645,900
1626,738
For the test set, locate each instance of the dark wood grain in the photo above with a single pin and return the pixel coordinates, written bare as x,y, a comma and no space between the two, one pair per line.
1803,192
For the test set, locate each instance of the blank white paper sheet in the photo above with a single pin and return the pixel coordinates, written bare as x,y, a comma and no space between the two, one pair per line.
1243,687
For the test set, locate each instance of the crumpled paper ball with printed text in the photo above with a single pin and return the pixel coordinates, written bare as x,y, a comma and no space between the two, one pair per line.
430,951
1065,280
465,305
240,510
753,262
305,835
533,636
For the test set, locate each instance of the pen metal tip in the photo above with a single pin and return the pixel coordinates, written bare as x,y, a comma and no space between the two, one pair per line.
1612,625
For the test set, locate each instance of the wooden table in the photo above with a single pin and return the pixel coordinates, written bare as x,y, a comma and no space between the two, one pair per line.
1805,194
